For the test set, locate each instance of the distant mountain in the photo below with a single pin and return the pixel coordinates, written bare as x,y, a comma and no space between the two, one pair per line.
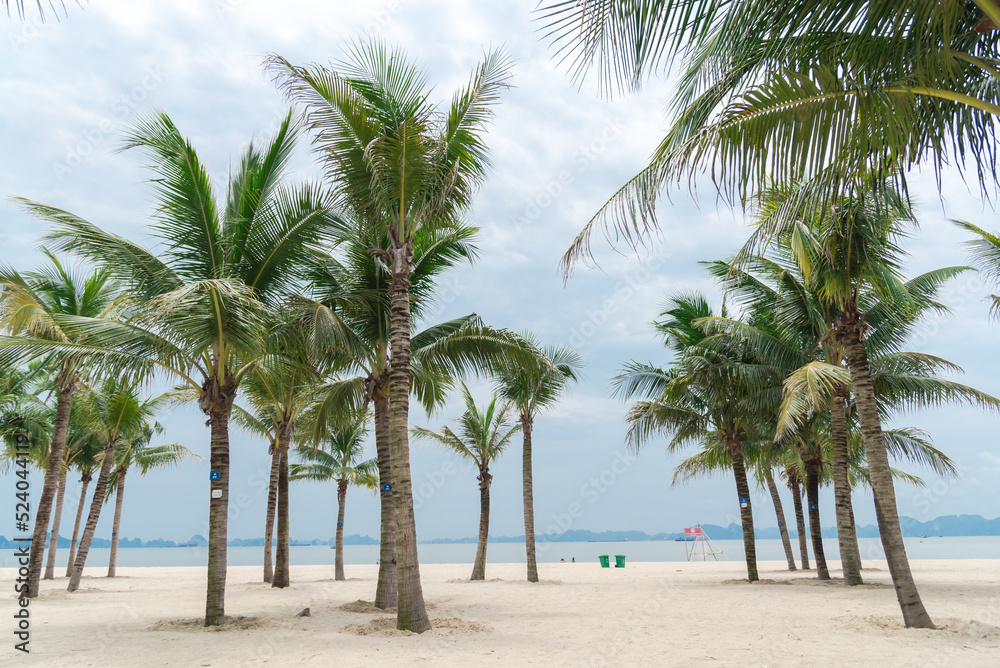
946,525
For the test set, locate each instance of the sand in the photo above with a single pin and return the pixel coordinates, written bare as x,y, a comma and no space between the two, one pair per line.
647,614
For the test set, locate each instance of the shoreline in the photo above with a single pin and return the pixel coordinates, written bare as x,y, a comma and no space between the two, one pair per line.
653,613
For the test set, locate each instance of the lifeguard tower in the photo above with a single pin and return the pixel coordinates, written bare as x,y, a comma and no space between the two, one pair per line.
698,544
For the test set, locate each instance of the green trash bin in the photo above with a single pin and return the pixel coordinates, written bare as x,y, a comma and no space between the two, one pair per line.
619,561
605,561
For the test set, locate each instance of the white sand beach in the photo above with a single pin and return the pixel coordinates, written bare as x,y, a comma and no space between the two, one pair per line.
648,614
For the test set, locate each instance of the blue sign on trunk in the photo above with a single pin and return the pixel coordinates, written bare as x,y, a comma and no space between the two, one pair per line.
387,487
215,475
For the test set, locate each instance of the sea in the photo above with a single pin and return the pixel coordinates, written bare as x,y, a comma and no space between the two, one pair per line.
954,547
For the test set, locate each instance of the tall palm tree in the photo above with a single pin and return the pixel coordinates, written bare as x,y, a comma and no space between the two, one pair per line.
137,452
200,310
715,391
113,411
402,165
532,389
355,289
340,460
32,305
482,437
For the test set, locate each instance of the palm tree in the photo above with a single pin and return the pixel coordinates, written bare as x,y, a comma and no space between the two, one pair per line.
482,437
716,391
283,383
714,457
402,165
83,452
788,90
200,311
26,420
32,305
356,290
532,389
848,253
136,451
340,461
112,411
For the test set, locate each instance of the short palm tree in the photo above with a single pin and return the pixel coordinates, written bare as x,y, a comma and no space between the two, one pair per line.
200,310
531,389
136,451
113,411
32,307
482,437
83,454
339,459
401,165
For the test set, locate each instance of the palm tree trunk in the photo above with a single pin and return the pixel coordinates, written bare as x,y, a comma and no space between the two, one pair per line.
529,503
411,613
847,537
84,482
218,403
385,590
116,525
780,513
746,512
800,521
281,571
479,567
50,562
815,530
914,614
341,502
57,453
100,490
272,498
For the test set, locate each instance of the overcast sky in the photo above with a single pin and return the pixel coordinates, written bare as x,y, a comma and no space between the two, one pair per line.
69,87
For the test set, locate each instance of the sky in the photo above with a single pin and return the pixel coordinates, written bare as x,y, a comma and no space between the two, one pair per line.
70,88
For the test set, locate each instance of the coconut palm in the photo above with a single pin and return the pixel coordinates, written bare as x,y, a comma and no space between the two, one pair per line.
354,290
112,411
283,383
482,437
32,305
200,311
531,389
83,452
137,452
357,288
26,433
715,391
339,460
402,165
849,255
788,90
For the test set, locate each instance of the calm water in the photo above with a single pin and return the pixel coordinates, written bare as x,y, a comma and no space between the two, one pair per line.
965,547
